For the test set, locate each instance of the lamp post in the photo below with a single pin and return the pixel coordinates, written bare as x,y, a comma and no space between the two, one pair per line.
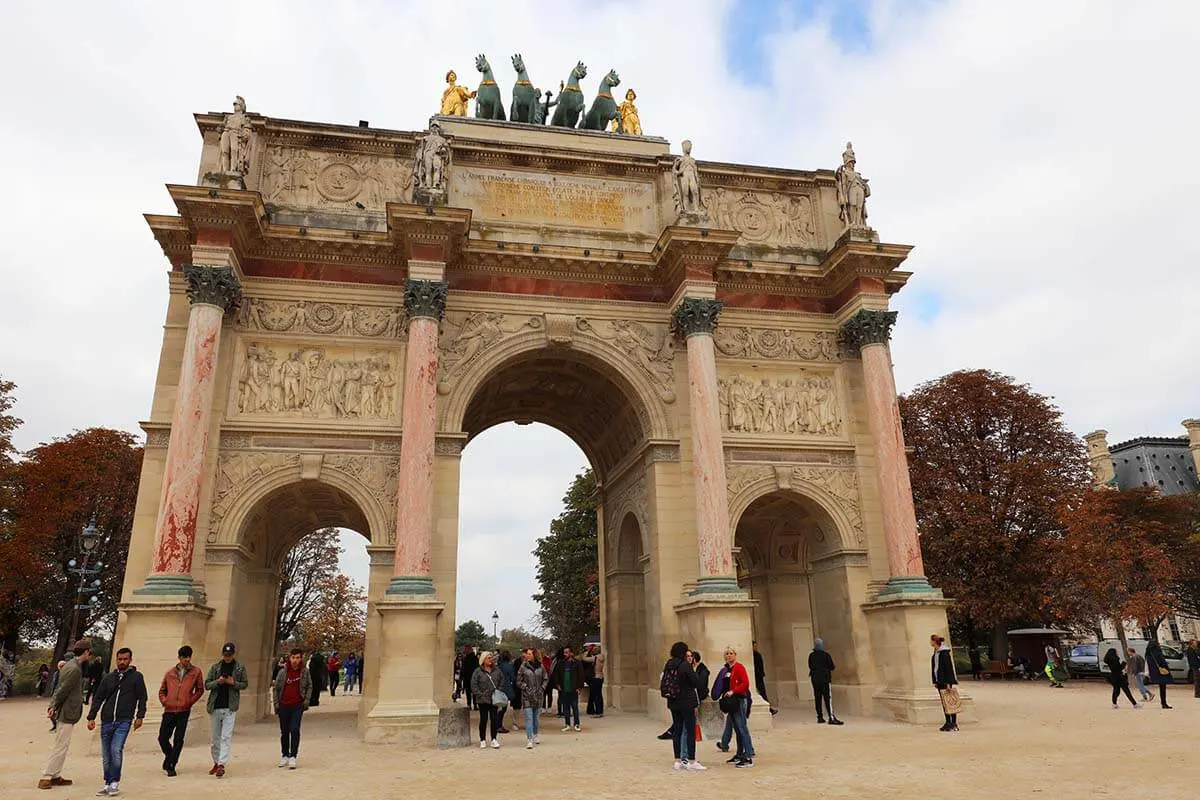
496,627
88,591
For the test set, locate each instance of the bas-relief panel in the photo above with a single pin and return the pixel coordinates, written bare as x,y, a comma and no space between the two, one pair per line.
315,382
764,218
786,345
237,471
841,482
327,319
540,199
803,403
300,178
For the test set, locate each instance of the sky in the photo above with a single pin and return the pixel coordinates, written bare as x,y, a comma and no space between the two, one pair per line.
1040,156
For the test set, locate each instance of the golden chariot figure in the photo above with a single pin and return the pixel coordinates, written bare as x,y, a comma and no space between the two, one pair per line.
454,99
631,124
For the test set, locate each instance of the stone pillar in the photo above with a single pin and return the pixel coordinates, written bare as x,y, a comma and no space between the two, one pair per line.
1193,429
212,291
425,302
694,319
1103,473
869,332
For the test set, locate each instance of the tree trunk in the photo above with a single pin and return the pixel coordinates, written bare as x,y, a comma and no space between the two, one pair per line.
1000,642
1119,624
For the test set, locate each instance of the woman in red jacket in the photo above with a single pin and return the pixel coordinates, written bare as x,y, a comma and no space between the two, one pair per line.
738,689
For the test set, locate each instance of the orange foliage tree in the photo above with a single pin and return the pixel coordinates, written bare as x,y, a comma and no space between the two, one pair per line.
339,619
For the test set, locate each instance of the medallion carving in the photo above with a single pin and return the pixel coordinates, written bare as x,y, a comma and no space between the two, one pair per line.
326,319
762,218
299,178
235,473
806,404
786,345
650,347
464,337
316,382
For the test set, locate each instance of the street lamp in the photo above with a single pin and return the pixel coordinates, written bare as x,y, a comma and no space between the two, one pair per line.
88,591
496,626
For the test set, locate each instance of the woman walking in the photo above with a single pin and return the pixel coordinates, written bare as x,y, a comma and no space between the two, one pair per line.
1193,660
1117,676
1160,673
510,686
679,684
531,683
487,690
735,702
946,681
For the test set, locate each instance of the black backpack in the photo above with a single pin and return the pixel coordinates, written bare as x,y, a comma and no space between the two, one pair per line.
668,684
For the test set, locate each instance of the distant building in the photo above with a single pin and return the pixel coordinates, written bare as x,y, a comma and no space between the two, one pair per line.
1170,464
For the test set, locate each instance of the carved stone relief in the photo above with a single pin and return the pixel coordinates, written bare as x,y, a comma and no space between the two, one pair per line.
340,319
764,218
782,344
806,404
237,471
464,337
316,382
377,474
840,482
650,347
631,496
297,178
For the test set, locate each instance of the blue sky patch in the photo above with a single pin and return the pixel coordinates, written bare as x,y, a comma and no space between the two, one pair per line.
751,22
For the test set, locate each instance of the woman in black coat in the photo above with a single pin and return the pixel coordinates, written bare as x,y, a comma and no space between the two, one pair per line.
942,669
1117,676
683,707
1160,673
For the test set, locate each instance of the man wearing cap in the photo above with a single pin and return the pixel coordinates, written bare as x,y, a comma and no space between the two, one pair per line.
66,707
225,682
181,687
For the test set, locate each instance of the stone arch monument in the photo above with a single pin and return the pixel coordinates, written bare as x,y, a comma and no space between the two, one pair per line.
331,346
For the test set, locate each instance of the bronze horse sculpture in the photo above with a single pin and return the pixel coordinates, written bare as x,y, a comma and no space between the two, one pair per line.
487,98
604,108
525,94
570,99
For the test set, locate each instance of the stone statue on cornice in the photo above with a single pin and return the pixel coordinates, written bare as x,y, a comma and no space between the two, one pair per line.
689,207
430,165
235,140
852,192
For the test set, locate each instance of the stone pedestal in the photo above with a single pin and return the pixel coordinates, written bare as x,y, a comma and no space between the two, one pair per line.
405,711
454,727
154,628
901,625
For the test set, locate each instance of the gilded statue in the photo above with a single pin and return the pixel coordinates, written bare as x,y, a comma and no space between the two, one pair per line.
235,140
630,123
852,191
454,99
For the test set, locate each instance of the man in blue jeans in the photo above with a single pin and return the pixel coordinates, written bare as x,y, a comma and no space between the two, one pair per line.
120,700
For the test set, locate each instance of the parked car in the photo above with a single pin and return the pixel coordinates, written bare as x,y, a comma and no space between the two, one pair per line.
1084,661
1176,662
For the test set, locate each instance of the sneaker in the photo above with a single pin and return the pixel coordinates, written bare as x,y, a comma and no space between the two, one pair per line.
495,745
103,791
1114,706
213,771
503,730
734,760
666,737
835,721
774,711
696,766
678,764
283,761
291,763
820,720
724,748
220,770
482,744
745,763
171,773
537,739
578,728
113,790
567,728
529,744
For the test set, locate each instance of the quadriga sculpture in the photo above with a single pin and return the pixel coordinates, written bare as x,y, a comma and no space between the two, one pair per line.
487,98
604,108
525,94
570,99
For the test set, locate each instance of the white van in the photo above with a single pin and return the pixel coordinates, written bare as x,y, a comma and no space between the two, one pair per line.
1176,662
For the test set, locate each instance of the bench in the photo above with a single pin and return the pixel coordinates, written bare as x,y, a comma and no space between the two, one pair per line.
998,669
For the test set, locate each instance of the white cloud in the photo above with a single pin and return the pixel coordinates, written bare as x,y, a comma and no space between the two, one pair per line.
1041,156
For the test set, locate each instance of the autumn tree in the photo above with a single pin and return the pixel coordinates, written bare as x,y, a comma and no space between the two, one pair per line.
1130,554
308,567
991,464
338,620
60,487
567,569
10,616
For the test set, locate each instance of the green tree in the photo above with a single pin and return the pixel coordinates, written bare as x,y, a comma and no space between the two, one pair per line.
472,634
11,617
567,567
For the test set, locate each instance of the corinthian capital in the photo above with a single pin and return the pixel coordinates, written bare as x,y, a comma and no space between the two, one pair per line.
424,298
868,327
214,286
696,315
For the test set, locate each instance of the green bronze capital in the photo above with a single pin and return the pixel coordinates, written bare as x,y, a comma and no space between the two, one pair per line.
868,327
425,298
214,286
696,315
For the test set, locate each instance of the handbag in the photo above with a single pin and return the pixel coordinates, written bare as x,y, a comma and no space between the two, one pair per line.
951,700
499,698
729,703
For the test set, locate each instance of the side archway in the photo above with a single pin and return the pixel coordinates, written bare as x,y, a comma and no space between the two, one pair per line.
626,639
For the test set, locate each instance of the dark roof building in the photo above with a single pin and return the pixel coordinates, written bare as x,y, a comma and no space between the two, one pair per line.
1153,461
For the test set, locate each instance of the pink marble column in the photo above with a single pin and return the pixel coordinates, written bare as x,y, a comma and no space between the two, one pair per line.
424,301
870,331
695,319
212,291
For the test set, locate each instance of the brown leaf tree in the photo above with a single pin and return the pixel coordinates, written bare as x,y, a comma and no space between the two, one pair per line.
10,614
339,619
991,463
307,567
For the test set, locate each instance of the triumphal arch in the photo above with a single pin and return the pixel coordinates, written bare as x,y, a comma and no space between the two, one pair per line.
350,306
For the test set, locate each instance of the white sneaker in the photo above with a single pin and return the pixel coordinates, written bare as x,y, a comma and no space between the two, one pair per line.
103,791
291,763
283,761
529,744
113,790
578,728
1114,706
696,766
679,764
482,745
567,728
495,745
537,739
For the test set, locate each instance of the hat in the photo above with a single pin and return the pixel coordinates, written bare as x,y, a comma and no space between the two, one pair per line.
82,646
229,648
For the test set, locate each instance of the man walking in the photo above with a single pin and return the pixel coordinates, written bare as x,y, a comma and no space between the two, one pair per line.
593,656
351,667
820,672
333,666
318,673
120,699
292,690
567,677
760,677
181,688
225,682
66,707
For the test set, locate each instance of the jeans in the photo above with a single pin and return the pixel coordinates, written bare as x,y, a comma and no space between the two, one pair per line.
570,705
112,748
349,682
531,721
488,713
289,730
173,722
595,703
683,730
220,724
1140,680
745,746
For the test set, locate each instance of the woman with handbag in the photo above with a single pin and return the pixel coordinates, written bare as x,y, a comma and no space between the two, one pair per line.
946,681
1160,673
735,702
487,690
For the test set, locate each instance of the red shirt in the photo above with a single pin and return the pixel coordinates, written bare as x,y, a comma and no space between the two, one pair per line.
739,681
291,689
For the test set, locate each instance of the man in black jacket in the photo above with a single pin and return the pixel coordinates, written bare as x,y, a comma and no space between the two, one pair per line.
820,672
120,699
760,677
317,671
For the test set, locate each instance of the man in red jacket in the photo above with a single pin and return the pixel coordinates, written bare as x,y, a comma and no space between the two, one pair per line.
181,687
332,665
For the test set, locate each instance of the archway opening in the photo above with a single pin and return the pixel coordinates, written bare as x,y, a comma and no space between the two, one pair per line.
778,537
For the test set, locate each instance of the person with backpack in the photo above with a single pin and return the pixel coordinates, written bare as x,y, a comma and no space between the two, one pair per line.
679,685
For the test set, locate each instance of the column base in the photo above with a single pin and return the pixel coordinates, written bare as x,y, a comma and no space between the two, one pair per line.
154,627
411,586
406,710
173,586
909,585
718,585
